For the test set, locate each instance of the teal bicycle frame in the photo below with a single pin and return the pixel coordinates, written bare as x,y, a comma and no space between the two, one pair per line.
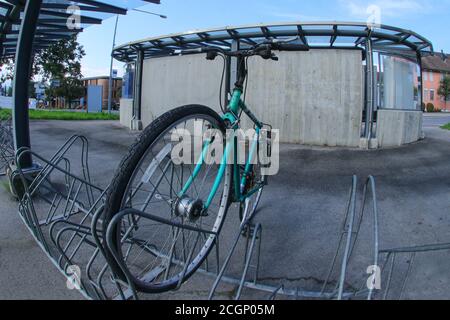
235,107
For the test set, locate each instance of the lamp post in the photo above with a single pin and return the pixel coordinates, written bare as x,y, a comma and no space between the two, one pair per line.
110,88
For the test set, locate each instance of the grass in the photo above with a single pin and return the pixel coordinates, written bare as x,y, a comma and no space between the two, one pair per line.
5,185
446,127
61,115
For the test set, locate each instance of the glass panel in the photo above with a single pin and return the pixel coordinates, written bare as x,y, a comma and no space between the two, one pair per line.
128,82
400,84
319,41
282,28
346,40
318,27
353,28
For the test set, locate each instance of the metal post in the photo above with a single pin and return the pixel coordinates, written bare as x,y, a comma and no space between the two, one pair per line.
234,64
22,75
226,99
370,101
110,87
420,89
137,107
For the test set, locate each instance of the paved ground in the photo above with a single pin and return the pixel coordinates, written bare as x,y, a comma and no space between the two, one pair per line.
301,217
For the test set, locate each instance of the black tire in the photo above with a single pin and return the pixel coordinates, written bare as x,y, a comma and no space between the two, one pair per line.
122,177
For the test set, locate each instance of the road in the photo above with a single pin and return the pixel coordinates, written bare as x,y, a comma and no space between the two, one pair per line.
435,120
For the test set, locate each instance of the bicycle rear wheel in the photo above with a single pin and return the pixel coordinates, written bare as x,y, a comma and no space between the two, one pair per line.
162,250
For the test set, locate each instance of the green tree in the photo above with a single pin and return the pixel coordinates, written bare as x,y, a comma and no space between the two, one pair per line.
444,89
62,62
7,69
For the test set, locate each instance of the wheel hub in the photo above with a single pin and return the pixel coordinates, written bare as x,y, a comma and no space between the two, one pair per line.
189,208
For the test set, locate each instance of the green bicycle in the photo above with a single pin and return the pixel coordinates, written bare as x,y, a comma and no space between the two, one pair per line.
163,217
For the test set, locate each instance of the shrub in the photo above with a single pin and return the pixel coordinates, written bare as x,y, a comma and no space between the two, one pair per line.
430,107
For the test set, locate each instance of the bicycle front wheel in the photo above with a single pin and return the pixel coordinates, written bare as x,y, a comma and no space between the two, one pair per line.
160,251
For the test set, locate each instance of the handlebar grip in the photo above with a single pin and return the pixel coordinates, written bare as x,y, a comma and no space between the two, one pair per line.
290,47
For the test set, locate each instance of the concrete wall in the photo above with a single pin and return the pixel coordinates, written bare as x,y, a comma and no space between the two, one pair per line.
171,82
313,97
126,112
396,128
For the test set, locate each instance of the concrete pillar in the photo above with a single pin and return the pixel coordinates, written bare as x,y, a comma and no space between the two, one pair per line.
233,66
370,90
136,123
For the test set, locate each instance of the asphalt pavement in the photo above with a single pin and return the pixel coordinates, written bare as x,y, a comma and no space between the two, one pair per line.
301,213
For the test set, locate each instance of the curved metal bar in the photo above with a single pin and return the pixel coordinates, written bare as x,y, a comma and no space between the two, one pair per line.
79,198
224,37
371,183
350,205
256,235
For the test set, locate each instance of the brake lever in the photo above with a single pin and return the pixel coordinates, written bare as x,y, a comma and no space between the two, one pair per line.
266,54
211,55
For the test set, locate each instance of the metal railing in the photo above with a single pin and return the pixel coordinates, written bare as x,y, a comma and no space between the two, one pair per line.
62,208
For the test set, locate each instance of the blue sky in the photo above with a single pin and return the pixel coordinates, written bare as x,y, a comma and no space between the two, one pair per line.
430,18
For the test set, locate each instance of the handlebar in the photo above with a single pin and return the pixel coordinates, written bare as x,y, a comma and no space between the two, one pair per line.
264,50
289,47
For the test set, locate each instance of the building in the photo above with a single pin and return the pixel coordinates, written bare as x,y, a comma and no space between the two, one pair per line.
353,88
435,68
103,81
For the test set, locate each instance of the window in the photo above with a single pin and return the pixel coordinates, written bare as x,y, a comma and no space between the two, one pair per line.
425,95
431,76
400,91
425,76
432,95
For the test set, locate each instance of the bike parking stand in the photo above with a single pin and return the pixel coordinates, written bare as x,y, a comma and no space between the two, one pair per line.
6,146
63,210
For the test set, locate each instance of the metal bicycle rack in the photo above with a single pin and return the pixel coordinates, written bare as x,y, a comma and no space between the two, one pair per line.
249,234
63,210
392,272
6,145
348,240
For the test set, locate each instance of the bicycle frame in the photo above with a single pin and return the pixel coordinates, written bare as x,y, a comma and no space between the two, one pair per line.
235,107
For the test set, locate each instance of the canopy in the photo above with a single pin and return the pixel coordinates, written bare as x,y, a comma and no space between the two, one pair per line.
320,35
53,20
